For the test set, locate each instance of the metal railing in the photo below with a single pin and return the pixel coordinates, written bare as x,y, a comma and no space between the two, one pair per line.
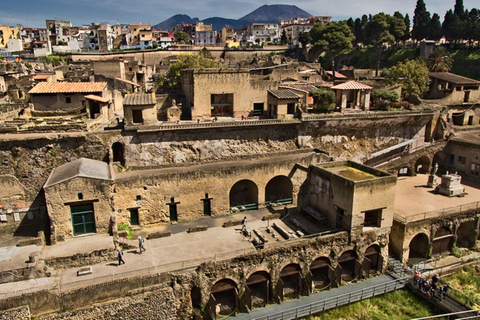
438,213
456,315
334,302
368,114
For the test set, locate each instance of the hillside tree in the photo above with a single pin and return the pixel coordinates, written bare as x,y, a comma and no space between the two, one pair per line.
333,37
421,21
377,33
435,30
412,75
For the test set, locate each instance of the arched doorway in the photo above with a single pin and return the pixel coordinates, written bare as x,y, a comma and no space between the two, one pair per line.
279,189
418,246
257,290
422,165
244,193
321,274
118,151
373,260
442,241
348,266
466,235
290,282
224,297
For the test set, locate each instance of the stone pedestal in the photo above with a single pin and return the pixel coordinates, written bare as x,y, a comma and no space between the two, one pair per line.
432,181
451,186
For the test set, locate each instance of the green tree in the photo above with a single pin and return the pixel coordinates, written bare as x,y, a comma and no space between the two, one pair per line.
439,60
406,34
412,75
454,27
397,26
171,81
435,30
333,37
284,38
473,26
324,100
421,21
377,31
384,97
304,38
182,37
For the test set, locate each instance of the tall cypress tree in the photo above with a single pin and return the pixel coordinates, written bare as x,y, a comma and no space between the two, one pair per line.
459,9
435,30
407,34
421,21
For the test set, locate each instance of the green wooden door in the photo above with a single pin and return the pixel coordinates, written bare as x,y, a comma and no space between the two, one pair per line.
83,219
134,221
173,212
207,207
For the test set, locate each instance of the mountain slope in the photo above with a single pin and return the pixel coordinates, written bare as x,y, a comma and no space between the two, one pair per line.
272,13
175,20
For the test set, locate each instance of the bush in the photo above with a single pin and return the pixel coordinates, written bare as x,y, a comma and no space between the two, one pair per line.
125,226
384,98
324,100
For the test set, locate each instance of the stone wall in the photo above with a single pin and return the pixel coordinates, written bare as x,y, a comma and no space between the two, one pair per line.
20,313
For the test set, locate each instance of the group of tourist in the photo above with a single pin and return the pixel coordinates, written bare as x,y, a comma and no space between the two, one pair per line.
432,288
141,248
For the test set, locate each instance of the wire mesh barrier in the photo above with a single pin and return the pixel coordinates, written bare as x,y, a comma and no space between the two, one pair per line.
334,302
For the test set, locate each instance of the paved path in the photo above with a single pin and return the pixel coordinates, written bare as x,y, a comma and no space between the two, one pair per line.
328,299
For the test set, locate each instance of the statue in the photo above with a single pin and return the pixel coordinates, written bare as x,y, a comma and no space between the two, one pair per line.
435,169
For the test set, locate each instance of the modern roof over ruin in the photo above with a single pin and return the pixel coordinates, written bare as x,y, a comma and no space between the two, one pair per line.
68,87
453,78
139,99
351,85
96,98
284,94
83,167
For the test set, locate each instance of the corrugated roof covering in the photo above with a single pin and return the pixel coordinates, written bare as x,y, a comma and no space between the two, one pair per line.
128,81
453,78
83,167
300,87
284,94
68,87
351,85
97,98
138,99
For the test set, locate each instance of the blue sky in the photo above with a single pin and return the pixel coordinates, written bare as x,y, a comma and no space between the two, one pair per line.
33,13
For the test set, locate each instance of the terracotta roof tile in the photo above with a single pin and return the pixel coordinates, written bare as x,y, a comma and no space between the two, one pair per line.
41,76
337,74
68,87
351,85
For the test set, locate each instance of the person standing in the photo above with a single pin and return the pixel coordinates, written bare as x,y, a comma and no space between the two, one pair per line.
141,247
120,257
244,223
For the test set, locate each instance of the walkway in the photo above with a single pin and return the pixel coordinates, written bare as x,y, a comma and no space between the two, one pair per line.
325,300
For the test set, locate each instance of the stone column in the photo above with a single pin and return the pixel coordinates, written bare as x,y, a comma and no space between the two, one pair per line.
366,105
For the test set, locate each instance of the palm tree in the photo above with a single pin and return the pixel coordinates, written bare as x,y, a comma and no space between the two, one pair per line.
439,61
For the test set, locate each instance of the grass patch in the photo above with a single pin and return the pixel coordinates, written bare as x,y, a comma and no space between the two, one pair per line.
124,226
398,305
466,281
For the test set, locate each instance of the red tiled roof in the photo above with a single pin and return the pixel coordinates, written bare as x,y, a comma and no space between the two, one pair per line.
337,74
41,76
68,87
351,85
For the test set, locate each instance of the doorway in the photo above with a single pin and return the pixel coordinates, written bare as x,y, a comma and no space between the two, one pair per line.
83,219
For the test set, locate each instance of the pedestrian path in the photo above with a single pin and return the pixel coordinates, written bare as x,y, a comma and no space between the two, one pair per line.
325,300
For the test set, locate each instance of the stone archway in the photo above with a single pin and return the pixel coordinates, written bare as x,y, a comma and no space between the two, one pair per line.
257,290
439,158
422,165
321,274
290,281
279,188
373,260
419,247
224,297
244,193
348,266
442,241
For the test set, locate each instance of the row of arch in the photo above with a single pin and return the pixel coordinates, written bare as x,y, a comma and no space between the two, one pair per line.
245,192
424,165
444,238
260,288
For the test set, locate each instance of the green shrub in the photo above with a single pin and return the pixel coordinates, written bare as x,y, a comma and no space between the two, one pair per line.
324,100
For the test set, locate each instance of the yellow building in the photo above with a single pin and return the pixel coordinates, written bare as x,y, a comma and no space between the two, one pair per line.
135,31
7,33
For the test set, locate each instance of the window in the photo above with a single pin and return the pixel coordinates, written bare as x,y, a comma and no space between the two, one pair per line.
68,100
373,218
452,159
339,219
461,160
80,196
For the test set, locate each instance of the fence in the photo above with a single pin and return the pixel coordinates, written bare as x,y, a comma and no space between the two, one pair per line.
438,213
456,315
338,301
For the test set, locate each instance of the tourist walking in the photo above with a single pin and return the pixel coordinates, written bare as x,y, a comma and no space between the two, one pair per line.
141,247
120,257
244,224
